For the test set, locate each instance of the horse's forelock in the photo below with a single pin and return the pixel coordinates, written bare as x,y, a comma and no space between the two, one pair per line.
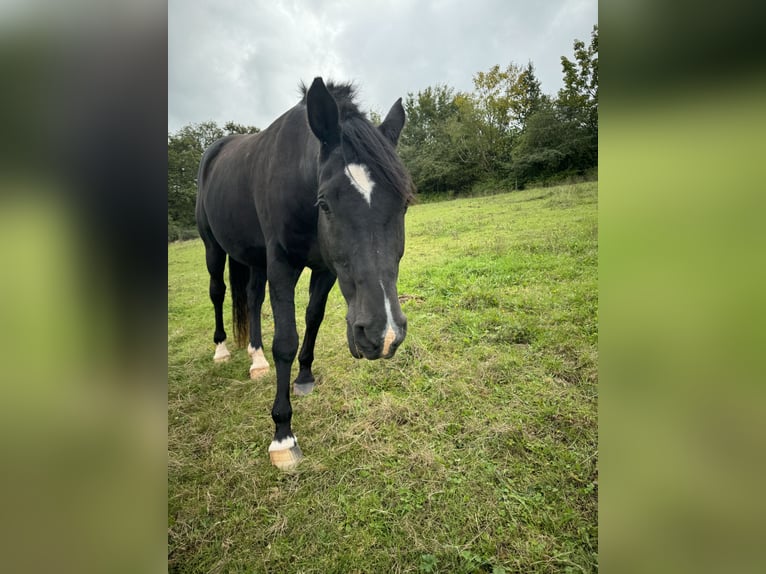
370,147
365,143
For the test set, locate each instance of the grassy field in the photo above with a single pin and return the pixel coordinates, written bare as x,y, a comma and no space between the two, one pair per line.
473,450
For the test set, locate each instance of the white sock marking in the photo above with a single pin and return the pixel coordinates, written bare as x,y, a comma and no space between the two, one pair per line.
286,443
359,176
259,361
221,352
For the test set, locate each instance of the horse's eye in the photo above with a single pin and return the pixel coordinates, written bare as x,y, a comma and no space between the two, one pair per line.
323,205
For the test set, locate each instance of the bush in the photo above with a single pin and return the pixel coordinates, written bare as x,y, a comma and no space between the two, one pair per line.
173,230
178,233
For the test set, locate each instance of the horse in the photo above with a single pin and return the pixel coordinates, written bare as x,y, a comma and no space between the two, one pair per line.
323,188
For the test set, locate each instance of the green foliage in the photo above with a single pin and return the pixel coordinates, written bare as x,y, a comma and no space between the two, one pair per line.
493,135
474,449
375,117
505,130
544,147
494,92
425,144
577,102
528,97
427,563
235,128
578,99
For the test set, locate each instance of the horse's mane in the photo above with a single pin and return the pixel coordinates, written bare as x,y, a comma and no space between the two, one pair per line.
364,143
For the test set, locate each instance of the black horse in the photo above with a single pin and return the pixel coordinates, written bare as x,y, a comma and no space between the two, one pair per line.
322,188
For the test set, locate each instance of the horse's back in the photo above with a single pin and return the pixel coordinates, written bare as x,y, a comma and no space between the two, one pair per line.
262,184
226,212
208,158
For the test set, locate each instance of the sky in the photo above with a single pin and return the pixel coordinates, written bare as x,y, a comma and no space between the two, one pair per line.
243,60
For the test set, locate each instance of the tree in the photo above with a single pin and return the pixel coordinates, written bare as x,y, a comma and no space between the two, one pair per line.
561,137
453,141
375,117
507,99
234,128
527,97
577,101
494,93
544,148
425,145
470,155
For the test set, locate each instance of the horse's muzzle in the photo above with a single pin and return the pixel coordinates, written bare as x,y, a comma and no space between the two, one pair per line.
381,345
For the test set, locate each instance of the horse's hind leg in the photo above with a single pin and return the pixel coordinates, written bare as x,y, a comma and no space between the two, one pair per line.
319,289
256,292
215,258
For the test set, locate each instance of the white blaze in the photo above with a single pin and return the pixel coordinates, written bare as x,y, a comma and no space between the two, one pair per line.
391,332
359,176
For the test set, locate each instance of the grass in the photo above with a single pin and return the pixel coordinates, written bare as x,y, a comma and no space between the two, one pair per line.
473,450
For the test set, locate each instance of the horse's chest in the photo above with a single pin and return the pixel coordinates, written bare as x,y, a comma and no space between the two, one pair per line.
300,243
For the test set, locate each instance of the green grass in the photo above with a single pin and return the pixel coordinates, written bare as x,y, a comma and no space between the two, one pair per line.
473,450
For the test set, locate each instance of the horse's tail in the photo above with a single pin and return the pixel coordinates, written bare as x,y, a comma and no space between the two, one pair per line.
239,275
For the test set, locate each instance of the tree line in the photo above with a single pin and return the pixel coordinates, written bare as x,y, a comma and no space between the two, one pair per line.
506,133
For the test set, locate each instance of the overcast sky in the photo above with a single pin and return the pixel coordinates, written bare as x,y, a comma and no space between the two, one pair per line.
242,60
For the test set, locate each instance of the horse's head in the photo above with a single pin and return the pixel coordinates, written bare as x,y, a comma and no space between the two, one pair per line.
362,197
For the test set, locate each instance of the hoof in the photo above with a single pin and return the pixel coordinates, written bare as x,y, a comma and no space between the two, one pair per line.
221,353
286,459
260,365
302,390
258,372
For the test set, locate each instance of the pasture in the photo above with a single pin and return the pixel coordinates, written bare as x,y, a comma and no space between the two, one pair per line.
473,450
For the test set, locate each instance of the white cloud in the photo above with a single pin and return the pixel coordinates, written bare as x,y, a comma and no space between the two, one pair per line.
242,60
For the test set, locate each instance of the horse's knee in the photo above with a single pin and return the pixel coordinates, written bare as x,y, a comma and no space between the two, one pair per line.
285,347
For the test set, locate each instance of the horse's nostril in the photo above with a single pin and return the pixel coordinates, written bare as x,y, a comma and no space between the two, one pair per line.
367,339
363,333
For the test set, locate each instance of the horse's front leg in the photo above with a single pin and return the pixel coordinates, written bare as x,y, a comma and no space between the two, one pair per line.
283,451
319,288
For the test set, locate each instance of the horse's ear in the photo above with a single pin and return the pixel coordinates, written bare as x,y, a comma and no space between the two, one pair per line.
322,113
394,122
